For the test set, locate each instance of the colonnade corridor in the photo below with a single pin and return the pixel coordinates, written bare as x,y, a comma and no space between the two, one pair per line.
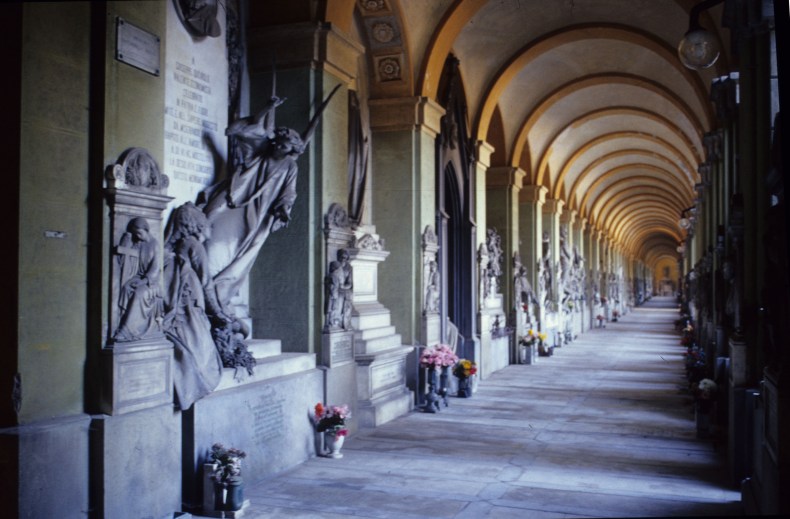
603,428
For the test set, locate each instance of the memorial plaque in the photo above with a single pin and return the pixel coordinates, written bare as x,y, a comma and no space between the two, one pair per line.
387,375
196,110
136,47
337,348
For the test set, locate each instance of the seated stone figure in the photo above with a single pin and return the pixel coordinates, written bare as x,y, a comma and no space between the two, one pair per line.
139,298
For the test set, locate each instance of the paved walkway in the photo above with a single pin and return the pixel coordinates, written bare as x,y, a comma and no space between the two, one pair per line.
603,428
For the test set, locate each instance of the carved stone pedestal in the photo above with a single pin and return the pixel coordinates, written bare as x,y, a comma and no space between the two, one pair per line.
494,347
431,329
137,375
382,394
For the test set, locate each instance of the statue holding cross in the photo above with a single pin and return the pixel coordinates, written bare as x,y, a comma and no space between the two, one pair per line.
139,299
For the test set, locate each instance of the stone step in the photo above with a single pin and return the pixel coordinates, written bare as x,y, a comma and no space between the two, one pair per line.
268,368
262,348
376,345
374,333
370,315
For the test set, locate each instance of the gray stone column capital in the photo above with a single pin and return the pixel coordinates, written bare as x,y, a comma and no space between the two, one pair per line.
505,176
320,46
483,152
406,113
553,206
532,193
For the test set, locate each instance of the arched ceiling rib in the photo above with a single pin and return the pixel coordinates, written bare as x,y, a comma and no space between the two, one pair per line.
587,96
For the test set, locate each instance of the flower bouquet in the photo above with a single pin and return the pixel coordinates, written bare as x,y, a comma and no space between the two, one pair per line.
331,420
226,474
438,357
434,358
464,370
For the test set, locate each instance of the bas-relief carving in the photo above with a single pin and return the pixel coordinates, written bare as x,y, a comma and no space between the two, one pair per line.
336,218
136,170
199,17
368,242
339,291
139,298
388,68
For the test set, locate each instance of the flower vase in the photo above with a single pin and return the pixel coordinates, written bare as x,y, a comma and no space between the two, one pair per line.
235,497
229,496
443,378
431,398
334,442
464,387
527,354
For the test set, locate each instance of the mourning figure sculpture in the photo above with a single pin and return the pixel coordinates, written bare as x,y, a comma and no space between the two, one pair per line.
432,289
545,273
257,198
339,286
139,299
190,305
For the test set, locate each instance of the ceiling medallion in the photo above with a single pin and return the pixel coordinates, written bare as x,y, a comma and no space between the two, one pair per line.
389,69
383,32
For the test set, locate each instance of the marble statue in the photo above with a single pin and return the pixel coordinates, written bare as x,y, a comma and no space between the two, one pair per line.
339,285
524,295
545,273
190,303
494,266
139,298
432,289
257,198
566,260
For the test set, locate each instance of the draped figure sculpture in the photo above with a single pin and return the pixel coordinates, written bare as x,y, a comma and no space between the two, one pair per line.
139,299
257,198
190,304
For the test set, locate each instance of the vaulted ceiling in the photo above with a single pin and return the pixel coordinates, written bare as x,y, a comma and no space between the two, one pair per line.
588,97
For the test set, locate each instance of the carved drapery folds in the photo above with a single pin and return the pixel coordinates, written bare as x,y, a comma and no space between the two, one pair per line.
432,280
339,292
546,274
136,195
524,296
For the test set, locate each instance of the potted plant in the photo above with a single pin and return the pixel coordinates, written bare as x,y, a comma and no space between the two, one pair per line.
464,370
615,315
226,475
331,421
544,350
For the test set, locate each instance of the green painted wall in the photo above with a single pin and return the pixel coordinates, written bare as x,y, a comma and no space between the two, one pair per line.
53,191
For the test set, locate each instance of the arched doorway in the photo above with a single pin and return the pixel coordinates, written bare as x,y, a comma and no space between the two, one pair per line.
455,213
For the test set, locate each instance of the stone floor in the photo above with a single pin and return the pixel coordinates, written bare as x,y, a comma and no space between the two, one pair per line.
604,428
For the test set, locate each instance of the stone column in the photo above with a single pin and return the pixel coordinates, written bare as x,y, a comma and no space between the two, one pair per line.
286,283
503,185
530,216
404,198
552,210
